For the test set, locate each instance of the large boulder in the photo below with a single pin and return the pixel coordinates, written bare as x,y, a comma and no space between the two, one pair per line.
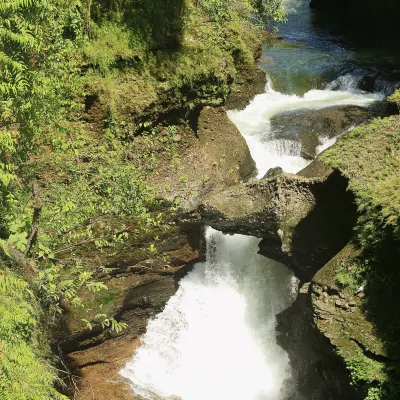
212,158
303,221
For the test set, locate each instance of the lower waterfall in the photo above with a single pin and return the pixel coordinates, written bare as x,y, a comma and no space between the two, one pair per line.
216,339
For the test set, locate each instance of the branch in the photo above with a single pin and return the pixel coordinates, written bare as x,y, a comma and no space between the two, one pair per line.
20,259
37,209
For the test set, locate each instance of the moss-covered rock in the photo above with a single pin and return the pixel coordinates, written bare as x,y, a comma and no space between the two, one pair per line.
355,294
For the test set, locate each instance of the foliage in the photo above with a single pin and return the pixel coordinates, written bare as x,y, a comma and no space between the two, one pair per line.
23,372
35,83
269,11
92,181
369,157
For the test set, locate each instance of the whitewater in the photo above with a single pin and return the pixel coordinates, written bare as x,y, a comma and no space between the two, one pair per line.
216,338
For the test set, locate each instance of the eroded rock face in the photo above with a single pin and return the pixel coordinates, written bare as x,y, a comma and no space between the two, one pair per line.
308,126
317,373
303,221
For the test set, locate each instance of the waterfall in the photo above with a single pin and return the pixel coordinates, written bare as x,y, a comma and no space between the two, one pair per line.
216,338
254,122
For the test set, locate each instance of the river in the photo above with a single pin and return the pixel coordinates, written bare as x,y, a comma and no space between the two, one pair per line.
216,338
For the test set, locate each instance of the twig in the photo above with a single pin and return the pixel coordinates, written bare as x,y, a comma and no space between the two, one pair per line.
37,209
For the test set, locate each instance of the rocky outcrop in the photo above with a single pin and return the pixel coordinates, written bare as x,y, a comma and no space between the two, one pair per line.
212,158
303,221
317,373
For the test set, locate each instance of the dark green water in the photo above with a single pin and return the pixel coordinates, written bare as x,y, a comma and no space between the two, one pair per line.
316,50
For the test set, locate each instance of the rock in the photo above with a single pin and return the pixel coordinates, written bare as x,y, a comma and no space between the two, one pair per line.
305,288
177,138
273,172
316,372
217,143
308,126
267,208
303,222
353,332
250,82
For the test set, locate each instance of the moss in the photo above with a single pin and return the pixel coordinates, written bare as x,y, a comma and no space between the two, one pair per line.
369,157
395,98
135,85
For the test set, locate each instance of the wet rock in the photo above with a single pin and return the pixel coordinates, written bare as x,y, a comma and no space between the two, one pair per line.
312,127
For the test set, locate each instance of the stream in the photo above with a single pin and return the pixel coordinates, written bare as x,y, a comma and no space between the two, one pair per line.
216,337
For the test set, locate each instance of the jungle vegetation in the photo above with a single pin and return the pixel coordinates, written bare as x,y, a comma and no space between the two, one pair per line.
68,187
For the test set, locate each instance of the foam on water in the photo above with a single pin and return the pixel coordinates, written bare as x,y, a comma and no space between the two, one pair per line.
215,338
254,122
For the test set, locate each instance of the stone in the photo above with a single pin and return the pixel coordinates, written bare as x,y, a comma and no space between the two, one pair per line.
273,172
338,303
308,126
293,214
177,138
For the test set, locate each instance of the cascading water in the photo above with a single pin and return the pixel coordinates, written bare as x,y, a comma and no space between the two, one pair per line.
254,122
216,339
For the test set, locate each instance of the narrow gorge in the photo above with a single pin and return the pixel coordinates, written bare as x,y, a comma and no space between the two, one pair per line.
218,336
200,200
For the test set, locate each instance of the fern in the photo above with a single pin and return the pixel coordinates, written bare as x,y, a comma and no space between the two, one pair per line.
24,374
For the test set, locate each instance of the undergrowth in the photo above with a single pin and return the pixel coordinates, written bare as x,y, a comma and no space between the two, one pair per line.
24,373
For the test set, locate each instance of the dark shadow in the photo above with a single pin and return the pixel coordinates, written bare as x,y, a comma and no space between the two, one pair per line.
322,233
